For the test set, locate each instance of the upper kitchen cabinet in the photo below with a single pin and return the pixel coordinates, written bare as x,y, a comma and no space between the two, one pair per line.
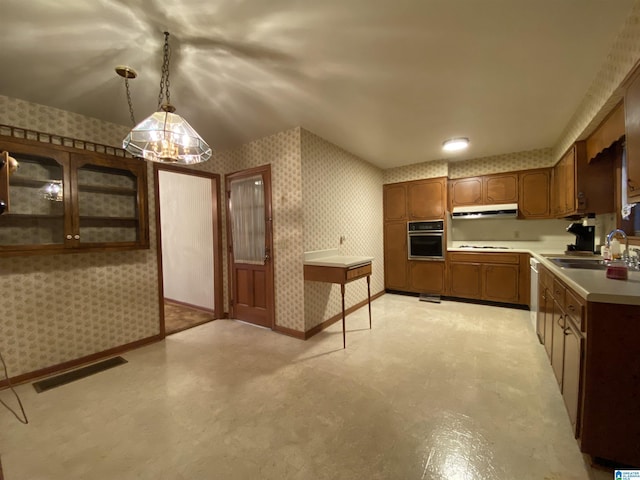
427,199
632,128
415,200
500,188
484,190
466,191
581,186
395,202
535,193
62,200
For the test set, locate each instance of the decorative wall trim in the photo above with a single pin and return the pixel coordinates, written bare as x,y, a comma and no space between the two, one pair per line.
60,140
330,321
71,364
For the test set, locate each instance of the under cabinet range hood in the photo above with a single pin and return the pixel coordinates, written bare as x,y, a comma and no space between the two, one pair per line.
504,210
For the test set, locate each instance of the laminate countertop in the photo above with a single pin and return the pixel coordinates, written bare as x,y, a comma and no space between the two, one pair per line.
341,261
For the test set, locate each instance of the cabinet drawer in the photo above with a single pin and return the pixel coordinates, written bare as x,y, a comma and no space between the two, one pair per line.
485,257
546,277
559,291
358,272
574,306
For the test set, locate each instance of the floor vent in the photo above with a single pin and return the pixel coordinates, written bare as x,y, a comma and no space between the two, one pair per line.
425,297
72,376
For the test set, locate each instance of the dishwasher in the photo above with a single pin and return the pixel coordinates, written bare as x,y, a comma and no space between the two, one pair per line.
533,300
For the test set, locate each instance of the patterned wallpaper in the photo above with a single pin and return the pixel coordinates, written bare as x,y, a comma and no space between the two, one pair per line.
604,92
57,308
416,171
501,163
341,195
282,151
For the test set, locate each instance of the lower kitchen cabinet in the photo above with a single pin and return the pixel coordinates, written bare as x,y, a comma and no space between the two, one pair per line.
427,276
465,280
395,256
572,360
495,277
500,283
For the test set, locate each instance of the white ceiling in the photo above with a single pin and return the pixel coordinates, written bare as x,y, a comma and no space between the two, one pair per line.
388,80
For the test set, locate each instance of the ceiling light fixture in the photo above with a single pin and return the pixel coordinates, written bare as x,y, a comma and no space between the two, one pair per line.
455,144
163,136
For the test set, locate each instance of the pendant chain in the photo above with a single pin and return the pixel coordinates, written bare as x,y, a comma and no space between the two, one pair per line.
126,84
164,78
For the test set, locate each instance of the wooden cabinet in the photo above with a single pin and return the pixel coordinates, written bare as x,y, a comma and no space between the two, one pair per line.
580,186
466,191
500,188
427,199
495,277
63,200
563,316
465,279
572,360
403,202
535,193
500,283
427,277
395,256
632,139
485,190
395,202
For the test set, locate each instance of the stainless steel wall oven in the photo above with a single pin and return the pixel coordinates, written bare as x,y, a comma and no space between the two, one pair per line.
425,240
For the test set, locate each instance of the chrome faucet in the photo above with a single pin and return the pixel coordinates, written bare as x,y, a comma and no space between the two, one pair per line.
625,254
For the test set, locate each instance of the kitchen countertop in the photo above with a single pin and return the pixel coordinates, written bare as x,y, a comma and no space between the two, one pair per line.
592,285
332,258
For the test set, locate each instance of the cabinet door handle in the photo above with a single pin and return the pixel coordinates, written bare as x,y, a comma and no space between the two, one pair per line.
560,318
77,237
69,237
630,185
567,330
572,308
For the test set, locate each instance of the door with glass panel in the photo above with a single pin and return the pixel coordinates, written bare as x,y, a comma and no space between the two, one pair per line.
250,246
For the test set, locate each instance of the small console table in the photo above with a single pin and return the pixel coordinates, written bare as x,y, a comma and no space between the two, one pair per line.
340,269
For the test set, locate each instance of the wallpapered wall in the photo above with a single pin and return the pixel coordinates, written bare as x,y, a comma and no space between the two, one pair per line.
282,151
49,311
341,195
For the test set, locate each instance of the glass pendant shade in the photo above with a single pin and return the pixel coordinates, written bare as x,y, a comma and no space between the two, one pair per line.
167,138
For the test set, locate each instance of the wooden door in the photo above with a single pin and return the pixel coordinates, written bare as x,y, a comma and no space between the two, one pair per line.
632,127
427,199
395,256
395,202
250,246
534,194
465,280
501,188
500,283
427,276
466,191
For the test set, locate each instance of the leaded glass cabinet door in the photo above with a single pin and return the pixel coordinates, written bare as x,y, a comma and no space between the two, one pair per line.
110,199
37,216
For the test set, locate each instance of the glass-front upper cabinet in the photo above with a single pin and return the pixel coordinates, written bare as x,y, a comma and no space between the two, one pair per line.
59,201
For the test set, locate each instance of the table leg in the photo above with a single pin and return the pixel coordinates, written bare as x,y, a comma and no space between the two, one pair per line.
369,297
344,336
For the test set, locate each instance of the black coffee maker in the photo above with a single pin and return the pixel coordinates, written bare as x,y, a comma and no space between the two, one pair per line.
585,237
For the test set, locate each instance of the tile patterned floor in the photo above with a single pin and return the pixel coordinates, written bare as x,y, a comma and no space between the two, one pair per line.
449,391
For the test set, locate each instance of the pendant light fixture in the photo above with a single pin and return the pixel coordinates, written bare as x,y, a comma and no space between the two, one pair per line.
164,136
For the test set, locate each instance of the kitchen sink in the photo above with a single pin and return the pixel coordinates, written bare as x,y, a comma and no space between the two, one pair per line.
586,263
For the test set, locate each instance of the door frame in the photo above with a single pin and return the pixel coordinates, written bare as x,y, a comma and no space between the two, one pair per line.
217,236
264,170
